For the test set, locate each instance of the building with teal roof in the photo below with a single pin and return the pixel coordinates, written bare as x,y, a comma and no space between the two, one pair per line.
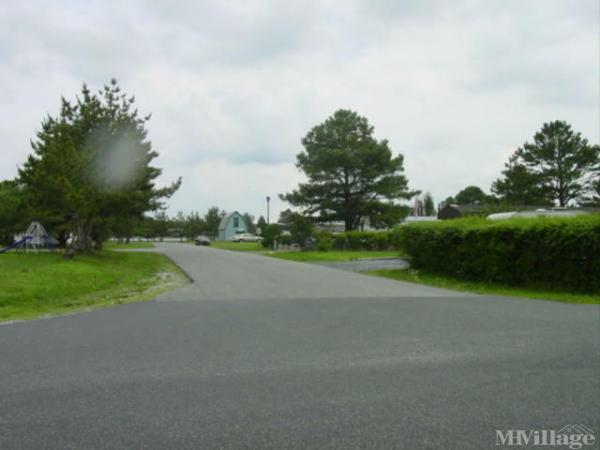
230,225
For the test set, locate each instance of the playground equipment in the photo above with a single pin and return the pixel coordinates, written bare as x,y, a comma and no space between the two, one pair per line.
17,244
34,238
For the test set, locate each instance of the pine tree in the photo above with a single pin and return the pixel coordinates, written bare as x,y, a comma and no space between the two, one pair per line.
92,163
351,175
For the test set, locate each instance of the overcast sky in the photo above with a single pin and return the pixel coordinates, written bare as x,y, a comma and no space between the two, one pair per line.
455,86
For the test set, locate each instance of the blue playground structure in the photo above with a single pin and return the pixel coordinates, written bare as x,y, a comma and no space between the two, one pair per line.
34,238
17,244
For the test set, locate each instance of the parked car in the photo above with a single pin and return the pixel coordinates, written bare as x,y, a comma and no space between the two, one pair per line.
202,240
245,237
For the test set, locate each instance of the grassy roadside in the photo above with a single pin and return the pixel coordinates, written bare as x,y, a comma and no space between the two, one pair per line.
131,245
238,246
310,256
44,283
483,288
334,256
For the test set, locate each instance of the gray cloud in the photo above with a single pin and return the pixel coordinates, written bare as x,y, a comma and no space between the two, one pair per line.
455,86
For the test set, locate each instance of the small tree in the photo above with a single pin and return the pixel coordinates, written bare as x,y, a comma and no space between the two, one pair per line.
300,227
179,225
249,220
261,224
194,225
212,219
161,225
270,234
428,204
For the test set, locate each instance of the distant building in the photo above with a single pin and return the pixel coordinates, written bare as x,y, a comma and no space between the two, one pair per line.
231,225
340,227
414,219
455,211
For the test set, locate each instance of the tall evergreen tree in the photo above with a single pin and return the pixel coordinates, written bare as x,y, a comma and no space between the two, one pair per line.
249,220
351,175
93,162
428,205
520,186
212,219
559,165
261,223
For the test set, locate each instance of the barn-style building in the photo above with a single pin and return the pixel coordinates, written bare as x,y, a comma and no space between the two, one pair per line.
231,225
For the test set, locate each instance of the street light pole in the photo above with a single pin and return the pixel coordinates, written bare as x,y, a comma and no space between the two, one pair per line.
268,200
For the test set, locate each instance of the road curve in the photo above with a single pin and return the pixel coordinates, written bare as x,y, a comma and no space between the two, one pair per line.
262,353
228,275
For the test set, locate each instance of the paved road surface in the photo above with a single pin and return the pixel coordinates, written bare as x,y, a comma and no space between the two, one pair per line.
263,353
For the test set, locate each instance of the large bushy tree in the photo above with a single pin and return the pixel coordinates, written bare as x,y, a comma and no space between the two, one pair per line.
351,175
93,162
558,166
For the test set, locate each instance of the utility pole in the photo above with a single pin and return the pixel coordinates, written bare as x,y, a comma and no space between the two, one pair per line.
268,200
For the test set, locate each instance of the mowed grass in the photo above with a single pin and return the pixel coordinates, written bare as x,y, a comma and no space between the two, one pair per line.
238,246
44,283
414,276
333,256
131,245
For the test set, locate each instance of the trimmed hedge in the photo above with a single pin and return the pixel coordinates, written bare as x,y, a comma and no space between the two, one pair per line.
354,240
555,253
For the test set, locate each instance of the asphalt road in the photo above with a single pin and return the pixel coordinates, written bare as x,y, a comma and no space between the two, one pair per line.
263,353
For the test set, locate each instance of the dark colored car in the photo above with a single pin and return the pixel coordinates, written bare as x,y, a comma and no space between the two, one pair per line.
202,240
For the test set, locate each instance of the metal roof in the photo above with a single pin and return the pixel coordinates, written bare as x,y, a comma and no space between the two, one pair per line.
225,219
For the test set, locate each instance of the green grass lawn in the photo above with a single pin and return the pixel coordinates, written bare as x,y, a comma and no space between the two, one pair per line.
334,256
44,283
483,288
238,246
116,246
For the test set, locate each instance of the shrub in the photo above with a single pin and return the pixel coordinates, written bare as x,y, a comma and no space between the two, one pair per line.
285,239
362,240
324,241
555,253
270,233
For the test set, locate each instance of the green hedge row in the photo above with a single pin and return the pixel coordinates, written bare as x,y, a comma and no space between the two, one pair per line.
354,240
544,252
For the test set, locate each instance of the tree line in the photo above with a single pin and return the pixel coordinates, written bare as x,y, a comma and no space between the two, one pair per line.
351,176
186,227
90,176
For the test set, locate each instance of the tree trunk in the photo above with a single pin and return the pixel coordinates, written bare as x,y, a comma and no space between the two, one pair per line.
348,223
83,242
